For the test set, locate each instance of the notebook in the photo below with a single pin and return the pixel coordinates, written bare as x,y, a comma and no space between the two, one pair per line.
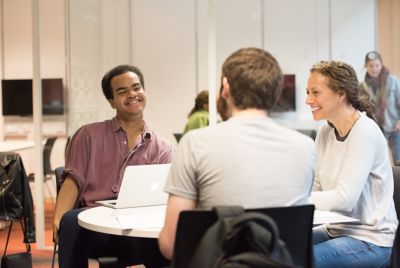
141,186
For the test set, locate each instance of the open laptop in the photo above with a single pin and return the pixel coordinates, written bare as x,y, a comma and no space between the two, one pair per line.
142,186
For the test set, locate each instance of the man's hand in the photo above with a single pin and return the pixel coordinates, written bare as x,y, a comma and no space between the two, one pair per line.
56,225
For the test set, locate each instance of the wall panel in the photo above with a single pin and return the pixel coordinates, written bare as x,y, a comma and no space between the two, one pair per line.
388,24
163,46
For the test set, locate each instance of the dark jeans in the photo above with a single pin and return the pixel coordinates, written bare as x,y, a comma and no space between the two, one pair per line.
77,245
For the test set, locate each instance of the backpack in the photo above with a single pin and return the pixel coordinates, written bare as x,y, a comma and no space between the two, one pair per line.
240,239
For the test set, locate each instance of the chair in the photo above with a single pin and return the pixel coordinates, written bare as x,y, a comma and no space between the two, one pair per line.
66,145
395,256
48,172
295,227
104,262
178,136
312,133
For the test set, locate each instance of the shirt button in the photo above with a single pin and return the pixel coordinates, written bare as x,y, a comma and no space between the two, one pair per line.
124,142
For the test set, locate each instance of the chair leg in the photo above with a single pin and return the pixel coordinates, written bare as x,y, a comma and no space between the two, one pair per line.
53,198
54,255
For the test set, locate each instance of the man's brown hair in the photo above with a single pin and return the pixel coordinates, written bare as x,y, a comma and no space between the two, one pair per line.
254,77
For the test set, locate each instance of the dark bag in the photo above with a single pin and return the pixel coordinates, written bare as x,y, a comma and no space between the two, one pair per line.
16,260
241,239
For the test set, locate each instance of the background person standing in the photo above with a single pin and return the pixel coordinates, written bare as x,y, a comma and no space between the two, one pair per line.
384,90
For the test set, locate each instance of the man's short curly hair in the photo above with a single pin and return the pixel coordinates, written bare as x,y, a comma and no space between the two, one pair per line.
120,69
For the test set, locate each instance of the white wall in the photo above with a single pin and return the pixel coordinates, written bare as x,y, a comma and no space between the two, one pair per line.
169,42
164,48
17,38
17,55
17,63
100,35
353,31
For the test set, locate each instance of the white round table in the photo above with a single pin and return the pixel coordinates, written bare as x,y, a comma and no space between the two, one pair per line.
137,222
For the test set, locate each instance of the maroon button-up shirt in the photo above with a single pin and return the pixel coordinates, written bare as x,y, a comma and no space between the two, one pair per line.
98,154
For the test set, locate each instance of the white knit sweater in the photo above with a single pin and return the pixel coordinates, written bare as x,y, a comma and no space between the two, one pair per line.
354,177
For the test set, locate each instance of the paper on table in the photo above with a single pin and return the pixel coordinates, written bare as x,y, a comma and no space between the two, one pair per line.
147,221
321,217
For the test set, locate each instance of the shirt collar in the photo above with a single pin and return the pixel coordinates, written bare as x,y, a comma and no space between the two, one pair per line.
116,126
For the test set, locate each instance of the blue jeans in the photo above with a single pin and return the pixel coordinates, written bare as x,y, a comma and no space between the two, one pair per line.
77,244
394,144
345,251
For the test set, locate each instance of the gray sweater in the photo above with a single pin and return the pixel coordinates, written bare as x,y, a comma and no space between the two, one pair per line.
354,177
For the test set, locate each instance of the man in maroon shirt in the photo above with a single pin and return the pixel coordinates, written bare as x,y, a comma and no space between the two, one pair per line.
95,162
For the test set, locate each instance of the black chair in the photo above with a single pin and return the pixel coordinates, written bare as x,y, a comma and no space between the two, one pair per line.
295,227
395,257
104,262
312,133
178,136
48,172
66,145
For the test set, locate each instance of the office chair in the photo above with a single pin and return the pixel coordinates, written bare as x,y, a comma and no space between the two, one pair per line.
66,145
295,227
395,256
48,172
178,136
104,262
312,133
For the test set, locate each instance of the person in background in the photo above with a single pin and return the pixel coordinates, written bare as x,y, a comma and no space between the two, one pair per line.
198,116
384,90
242,161
96,158
353,175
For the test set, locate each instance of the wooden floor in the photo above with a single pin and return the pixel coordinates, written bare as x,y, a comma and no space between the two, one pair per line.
40,258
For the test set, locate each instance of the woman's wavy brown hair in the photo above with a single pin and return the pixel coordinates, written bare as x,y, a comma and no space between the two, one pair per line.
343,79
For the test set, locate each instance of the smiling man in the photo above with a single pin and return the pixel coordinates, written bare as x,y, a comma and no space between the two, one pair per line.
95,162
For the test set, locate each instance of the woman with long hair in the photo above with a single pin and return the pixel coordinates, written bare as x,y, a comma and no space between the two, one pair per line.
353,174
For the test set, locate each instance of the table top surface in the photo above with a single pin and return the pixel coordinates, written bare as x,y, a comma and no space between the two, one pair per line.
137,222
148,221
10,146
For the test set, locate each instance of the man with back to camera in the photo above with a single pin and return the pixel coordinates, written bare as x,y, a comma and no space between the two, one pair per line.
247,160
96,159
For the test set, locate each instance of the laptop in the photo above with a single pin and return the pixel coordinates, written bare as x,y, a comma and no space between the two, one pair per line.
142,186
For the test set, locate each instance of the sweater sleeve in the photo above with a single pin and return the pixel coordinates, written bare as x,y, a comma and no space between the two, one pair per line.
316,183
356,157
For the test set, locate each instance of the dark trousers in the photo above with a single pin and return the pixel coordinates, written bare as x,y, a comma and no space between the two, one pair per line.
76,245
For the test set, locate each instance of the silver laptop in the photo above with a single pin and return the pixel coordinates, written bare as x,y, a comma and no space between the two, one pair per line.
141,186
